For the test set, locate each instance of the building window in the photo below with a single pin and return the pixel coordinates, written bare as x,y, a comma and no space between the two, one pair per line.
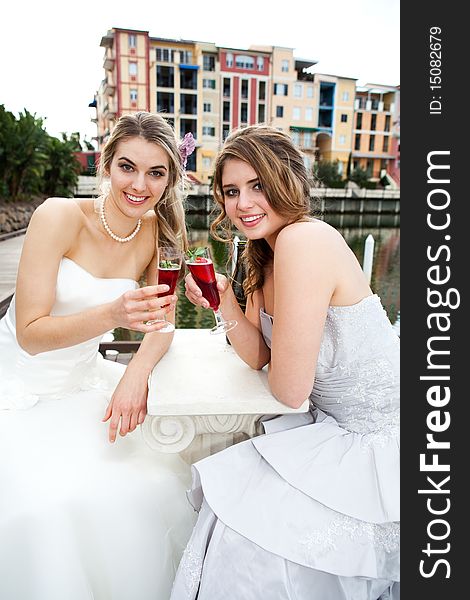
229,59
132,40
310,91
188,79
307,139
226,111
165,76
359,121
133,95
295,135
165,102
387,123
309,114
357,141
244,112
226,86
261,113
186,57
208,62
342,140
327,93
369,167
188,104
345,96
245,88
296,113
285,66
385,144
208,130
371,143
297,90
373,122
207,107
260,63
280,89
164,55
279,111
325,119
225,131
133,69
262,90
208,84
344,118
244,62
375,104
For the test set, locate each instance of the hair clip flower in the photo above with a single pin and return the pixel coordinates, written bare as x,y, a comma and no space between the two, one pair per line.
186,148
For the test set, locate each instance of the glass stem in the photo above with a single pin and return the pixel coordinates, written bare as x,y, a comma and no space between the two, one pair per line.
218,317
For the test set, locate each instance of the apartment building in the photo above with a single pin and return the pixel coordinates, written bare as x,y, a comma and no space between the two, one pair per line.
376,130
210,90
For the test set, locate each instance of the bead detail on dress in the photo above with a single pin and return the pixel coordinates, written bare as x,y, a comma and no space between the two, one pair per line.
384,537
191,566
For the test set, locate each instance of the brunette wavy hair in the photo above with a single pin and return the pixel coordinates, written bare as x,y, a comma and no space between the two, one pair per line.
284,179
152,127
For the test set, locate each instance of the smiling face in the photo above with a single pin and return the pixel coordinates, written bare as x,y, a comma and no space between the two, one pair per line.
246,204
139,174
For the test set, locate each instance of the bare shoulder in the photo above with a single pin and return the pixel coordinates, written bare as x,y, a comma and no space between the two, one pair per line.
59,211
309,235
57,221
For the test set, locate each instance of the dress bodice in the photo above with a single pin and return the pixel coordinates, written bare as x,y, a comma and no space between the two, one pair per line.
357,373
56,372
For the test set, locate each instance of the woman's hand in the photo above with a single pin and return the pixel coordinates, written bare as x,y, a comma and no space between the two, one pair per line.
135,308
128,405
194,294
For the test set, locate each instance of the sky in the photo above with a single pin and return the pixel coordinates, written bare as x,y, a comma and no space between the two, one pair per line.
52,62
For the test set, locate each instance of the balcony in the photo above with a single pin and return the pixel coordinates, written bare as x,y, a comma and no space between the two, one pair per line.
109,112
107,41
108,63
108,88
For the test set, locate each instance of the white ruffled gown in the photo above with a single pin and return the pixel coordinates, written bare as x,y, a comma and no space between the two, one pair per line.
309,511
80,518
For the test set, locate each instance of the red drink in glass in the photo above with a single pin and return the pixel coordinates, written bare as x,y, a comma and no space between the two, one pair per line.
169,277
202,271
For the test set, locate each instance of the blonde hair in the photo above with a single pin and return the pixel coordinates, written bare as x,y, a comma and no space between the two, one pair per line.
284,179
153,128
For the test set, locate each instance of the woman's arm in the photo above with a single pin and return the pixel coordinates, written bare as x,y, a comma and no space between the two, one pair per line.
246,337
128,405
53,229
306,271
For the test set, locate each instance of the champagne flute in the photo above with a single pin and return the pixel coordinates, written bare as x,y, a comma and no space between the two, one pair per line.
201,267
169,266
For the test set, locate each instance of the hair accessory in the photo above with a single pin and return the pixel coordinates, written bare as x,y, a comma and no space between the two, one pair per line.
111,233
186,148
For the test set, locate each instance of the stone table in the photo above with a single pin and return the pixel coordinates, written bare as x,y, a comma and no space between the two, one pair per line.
203,397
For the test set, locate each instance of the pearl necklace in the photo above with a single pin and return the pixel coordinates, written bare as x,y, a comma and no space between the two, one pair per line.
111,233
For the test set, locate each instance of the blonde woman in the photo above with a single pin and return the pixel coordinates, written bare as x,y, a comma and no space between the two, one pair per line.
81,518
310,510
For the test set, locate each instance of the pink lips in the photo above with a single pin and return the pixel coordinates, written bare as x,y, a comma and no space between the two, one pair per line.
252,223
135,200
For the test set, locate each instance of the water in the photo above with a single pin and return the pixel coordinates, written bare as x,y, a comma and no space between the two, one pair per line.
385,279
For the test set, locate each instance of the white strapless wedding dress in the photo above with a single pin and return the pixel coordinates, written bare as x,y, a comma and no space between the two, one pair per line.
80,518
311,509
